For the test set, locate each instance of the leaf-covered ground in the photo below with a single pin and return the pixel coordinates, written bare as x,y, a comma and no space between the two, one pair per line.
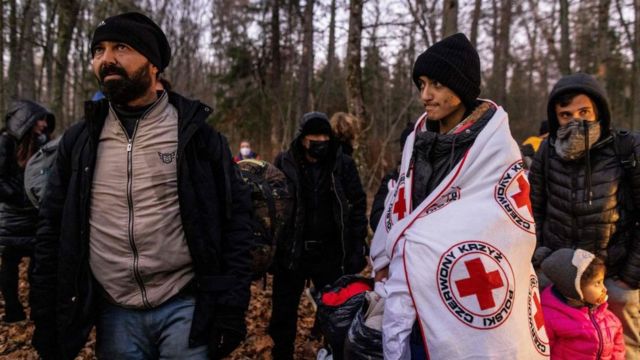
15,339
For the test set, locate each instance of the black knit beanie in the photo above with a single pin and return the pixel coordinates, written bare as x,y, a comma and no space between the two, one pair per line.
453,62
139,32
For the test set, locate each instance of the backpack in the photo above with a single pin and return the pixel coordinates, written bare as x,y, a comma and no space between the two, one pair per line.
624,145
272,204
37,171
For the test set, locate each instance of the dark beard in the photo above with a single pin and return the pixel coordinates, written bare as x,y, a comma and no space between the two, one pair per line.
127,88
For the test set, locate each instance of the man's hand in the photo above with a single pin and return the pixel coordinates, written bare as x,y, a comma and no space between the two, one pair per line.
227,332
382,274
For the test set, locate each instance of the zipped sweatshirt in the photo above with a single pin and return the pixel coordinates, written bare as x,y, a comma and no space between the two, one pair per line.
138,249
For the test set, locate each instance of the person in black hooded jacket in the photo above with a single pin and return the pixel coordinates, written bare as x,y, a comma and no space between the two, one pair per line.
583,196
28,127
325,237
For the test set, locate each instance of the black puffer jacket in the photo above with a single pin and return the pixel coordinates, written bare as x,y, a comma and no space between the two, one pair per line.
349,208
215,207
581,203
17,216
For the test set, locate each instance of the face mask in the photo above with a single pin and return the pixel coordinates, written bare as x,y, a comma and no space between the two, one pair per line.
318,149
245,151
570,138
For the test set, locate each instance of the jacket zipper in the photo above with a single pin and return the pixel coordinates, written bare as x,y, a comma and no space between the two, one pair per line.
595,324
132,243
574,198
333,180
295,238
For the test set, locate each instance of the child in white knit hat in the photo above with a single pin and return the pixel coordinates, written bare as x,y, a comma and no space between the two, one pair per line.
577,321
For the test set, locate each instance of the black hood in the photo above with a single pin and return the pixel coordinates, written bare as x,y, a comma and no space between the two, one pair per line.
585,84
23,114
321,120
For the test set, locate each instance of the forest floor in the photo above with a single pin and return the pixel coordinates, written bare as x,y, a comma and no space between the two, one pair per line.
15,339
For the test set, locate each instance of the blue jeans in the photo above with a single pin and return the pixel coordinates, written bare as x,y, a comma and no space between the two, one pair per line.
159,333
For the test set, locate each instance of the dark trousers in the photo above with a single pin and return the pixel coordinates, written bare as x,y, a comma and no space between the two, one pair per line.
287,288
9,274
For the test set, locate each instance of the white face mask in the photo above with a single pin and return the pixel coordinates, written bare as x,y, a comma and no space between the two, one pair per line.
245,151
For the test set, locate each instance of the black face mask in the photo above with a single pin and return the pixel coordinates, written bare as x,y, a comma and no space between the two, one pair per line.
318,149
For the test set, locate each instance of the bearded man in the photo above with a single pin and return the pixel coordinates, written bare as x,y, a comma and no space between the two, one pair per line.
143,232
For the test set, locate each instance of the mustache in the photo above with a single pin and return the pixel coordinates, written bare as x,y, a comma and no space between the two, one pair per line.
112,69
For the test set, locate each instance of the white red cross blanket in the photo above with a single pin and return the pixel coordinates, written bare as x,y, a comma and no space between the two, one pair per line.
461,260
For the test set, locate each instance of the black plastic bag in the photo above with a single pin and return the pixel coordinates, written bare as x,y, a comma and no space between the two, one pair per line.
335,320
362,342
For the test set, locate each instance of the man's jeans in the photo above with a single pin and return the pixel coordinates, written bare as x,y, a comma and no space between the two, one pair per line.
159,333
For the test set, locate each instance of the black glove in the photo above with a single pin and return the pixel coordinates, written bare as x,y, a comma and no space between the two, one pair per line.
228,330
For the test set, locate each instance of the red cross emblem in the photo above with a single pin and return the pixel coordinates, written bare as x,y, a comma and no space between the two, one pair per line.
522,198
480,283
399,207
538,317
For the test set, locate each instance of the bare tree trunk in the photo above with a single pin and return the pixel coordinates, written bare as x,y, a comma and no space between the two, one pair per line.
418,12
501,57
27,68
290,58
331,51
327,77
47,55
277,117
3,89
602,52
475,21
355,99
66,24
14,54
449,17
636,68
532,36
306,62
565,43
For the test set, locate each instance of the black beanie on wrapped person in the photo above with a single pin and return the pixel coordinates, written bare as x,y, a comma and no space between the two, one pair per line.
455,63
137,31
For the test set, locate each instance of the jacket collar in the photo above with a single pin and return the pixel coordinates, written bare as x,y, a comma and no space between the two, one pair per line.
189,112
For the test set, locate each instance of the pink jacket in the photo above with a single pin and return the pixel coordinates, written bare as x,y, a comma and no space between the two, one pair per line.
581,333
